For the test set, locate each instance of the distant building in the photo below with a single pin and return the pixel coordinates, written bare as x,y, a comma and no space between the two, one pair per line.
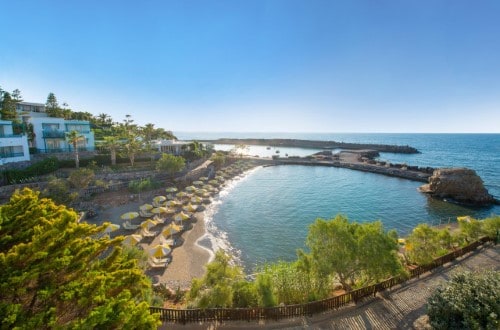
13,147
50,134
30,109
171,146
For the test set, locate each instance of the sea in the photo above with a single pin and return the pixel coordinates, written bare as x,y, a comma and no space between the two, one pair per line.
263,216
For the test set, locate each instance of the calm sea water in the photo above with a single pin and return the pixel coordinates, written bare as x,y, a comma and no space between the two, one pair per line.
264,216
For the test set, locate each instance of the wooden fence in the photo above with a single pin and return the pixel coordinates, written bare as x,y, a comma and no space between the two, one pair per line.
276,313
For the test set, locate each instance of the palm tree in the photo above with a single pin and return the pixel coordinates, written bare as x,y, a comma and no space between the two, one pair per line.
147,131
131,148
73,138
113,144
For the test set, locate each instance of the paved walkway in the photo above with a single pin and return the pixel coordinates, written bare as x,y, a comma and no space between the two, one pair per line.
399,308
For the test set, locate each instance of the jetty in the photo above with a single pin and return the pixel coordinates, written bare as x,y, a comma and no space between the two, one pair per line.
313,144
360,160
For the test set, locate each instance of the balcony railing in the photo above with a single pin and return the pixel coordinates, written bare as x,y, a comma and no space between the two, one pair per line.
54,134
10,135
11,154
58,150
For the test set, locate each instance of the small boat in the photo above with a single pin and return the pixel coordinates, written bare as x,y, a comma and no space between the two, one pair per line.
277,151
268,148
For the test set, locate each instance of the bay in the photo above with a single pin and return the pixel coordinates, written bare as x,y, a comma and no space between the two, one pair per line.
265,215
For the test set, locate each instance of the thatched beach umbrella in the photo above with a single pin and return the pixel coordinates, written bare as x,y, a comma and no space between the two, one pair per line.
190,188
110,228
198,183
148,224
173,203
158,210
196,200
171,189
129,215
159,199
145,207
131,240
204,178
181,216
171,230
182,194
190,208
160,251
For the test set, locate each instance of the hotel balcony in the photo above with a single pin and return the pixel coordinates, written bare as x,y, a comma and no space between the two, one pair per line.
54,134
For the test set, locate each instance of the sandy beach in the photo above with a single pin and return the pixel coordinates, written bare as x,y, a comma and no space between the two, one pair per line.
188,259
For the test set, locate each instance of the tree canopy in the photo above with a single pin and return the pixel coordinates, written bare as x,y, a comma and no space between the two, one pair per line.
7,106
468,301
59,273
170,164
353,253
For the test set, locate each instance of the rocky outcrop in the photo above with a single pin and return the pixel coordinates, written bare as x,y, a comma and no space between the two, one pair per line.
462,185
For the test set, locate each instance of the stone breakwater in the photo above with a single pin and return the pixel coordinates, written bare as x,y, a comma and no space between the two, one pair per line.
356,160
311,144
459,185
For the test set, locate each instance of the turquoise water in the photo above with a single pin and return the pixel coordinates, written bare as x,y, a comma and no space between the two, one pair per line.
264,216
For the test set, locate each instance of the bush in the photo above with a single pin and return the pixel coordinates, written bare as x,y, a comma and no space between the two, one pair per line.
58,190
469,301
46,166
137,186
81,178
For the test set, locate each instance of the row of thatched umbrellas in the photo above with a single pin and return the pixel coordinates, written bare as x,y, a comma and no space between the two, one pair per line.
180,205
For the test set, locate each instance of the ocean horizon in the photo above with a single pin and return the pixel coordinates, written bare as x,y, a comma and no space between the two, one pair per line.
277,204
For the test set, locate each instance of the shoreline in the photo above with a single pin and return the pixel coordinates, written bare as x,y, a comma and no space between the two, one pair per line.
188,259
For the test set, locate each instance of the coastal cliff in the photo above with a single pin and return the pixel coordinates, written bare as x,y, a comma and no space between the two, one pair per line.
462,185
294,143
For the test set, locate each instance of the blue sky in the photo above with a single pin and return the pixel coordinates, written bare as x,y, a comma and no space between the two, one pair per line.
256,66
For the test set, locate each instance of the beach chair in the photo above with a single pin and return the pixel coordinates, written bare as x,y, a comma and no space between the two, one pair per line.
147,233
167,241
128,226
153,264
145,214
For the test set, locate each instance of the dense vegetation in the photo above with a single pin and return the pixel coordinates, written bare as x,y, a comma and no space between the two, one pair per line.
468,301
342,255
58,273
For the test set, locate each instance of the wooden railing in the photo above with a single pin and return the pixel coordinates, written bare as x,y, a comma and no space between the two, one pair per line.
289,311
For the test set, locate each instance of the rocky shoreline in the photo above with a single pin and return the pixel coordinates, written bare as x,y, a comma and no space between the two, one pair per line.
311,144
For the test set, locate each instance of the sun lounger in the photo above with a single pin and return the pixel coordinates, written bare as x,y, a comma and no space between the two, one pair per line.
152,263
128,226
167,241
147,233
158,204
160,260
145,214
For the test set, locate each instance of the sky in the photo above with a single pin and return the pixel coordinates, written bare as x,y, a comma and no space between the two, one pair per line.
262,66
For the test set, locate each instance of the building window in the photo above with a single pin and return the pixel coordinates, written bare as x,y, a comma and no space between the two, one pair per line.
50,126
11,151
53,144
80,128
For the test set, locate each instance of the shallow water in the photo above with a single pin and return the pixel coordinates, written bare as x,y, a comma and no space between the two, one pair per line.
264,216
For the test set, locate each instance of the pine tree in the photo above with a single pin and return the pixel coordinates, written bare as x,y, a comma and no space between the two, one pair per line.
8,107
59,273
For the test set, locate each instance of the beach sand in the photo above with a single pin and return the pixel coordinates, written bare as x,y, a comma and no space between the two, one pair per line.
188,258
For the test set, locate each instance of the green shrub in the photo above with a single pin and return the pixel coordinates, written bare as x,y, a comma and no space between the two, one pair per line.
81,178
138,186
468,301
45,166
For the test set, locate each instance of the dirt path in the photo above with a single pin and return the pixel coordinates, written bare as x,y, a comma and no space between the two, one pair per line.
402,308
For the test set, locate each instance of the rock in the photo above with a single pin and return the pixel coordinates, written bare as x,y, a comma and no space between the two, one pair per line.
462,185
